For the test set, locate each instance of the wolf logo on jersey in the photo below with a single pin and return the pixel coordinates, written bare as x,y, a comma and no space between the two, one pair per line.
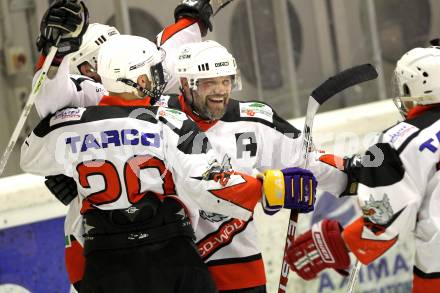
212,217
378,211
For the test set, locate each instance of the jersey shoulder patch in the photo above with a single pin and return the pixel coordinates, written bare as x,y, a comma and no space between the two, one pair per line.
256,110
399,134
162,101
173,116
65,115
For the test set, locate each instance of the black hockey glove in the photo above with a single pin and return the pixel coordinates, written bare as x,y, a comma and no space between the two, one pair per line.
67,19
349,165
63,187
352,166
197,9
435,42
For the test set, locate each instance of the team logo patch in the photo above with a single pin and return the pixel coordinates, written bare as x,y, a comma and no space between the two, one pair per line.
378,211
175,117
212,217
256,110
65,115
400,133
163,101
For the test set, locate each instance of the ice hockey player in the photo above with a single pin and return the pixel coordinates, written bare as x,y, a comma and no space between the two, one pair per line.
130,162
398,197
254,137
235,258
77,78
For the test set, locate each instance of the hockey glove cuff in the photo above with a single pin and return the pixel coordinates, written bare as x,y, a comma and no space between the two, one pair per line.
320,248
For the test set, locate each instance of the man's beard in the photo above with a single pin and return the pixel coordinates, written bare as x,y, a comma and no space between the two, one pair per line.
213,113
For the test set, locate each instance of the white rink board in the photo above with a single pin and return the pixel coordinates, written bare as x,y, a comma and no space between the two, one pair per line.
24,199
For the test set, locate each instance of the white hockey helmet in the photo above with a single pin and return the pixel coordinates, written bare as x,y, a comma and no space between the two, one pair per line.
124,58
417,78
96,35
206,60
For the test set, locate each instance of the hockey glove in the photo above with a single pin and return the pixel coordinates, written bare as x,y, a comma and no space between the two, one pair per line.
290,188
67,19
349,165
320,248
63,187
196,9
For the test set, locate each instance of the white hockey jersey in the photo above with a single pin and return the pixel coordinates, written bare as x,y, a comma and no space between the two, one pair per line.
115,159
69,90
66,90
400,194
254,137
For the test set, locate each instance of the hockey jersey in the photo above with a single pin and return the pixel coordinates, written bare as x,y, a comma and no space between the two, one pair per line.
253,137
117,154
399,193
81,91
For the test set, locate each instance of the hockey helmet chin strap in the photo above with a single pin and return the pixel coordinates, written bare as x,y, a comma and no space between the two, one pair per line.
158,82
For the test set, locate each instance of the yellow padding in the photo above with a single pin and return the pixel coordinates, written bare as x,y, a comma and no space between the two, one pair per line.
274,187
311,192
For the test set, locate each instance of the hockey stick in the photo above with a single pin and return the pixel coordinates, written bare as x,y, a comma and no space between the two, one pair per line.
40,80
222,5
27,108
353,276
320,95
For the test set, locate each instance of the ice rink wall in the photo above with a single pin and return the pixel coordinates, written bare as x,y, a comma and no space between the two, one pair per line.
32,239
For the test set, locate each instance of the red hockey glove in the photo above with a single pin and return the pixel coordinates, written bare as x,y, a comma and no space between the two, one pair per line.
320,248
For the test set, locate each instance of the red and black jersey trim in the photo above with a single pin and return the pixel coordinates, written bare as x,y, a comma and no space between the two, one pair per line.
234,260
173,29
422,121
418,272
207,253
379,229
387,173
279,124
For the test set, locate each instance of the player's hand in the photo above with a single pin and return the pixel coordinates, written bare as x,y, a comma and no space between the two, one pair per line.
290,188
67,19
320,248
349,165
63,187
197,9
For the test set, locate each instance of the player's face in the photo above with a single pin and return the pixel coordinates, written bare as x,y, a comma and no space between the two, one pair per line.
212,96
88,70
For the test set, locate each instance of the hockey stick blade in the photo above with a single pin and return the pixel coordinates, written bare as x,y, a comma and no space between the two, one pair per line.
343,80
